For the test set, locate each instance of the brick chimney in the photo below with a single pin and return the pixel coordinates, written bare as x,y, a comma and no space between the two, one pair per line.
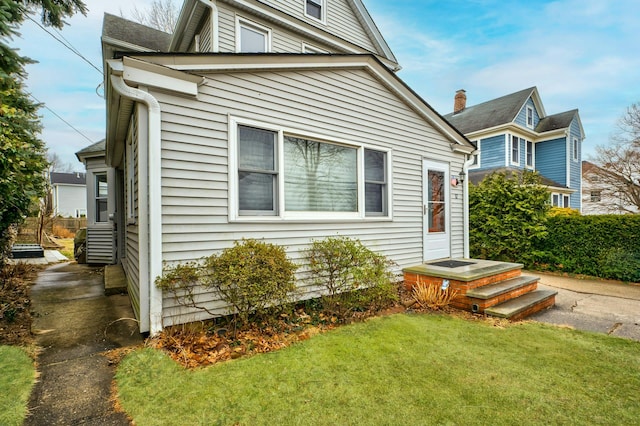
459,101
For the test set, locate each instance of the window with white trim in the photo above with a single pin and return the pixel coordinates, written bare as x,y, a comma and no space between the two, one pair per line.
530,117
596,196
555,200
529,153
476,157
252,37
308,48
565,201
515,150
102,195
574,149
315,9
291,176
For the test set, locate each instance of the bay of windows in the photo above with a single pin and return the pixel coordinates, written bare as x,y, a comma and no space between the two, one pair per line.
289,176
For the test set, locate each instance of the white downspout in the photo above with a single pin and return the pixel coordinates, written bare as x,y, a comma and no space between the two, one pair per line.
154,196
211,4
465,169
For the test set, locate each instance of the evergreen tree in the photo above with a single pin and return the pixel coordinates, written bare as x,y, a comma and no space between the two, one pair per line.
22,153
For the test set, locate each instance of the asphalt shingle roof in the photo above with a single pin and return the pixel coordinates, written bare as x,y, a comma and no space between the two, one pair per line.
67,178
556,121
491,113
131,32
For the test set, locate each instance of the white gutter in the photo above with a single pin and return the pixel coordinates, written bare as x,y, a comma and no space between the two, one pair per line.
211,4
153,238
465,201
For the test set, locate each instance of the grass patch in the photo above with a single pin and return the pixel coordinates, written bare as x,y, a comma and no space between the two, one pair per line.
402,369
67,249
17,376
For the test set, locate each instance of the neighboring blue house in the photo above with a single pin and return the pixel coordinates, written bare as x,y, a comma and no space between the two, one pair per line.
515,133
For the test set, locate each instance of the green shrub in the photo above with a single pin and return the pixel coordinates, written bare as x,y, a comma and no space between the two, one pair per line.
251,277
507,216
606,246
354,277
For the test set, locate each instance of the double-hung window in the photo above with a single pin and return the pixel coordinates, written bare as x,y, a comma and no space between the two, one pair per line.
102,195
257,172
529,153
252,37
290,176
529,117
515,150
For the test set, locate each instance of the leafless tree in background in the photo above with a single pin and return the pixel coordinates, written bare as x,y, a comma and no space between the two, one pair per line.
618,163
161,15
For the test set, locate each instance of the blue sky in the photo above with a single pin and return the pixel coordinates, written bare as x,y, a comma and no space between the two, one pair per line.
579,53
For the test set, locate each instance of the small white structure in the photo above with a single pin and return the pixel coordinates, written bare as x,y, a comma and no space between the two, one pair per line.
69,194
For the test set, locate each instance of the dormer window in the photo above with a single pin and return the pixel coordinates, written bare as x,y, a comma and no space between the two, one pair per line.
529,117
315,9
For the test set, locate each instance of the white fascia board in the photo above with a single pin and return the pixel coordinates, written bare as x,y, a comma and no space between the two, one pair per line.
141,73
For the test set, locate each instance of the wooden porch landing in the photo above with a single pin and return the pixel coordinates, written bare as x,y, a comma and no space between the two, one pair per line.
485,286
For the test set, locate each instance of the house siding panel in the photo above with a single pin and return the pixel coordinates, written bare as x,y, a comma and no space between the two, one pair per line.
348,105
521,118
493,152
341,20
282,39
551,159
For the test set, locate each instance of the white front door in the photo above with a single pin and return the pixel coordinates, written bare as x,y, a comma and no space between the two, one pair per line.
435,209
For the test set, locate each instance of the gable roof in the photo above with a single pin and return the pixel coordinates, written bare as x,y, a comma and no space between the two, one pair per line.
93,150
58,178
492,113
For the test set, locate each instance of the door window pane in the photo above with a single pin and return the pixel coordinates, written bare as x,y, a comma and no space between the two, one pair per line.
436,201
319,176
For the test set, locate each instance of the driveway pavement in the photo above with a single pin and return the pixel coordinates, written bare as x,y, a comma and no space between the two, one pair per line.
592,305
74,323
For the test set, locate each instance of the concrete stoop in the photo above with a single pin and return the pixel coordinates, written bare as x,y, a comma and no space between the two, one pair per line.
483,286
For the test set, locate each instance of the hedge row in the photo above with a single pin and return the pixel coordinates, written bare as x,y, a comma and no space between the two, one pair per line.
606,246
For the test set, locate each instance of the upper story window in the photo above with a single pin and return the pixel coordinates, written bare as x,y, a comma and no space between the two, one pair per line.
515,150
595,196
252,37
316,9
574,149
293,177
529,154
530,117
476,157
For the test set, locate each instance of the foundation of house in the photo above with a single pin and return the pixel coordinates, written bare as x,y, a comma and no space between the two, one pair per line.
494,288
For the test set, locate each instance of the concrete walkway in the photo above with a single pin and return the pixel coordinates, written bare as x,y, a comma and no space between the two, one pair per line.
592,305
75,323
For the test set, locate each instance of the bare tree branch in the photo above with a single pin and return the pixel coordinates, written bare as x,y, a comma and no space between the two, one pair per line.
161,15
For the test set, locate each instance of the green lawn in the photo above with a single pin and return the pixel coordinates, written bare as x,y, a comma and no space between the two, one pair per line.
17,376
403,369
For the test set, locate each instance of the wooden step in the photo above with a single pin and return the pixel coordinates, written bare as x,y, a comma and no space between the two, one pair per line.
523,306
494,290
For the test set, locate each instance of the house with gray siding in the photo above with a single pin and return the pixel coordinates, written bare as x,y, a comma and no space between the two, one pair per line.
211,132
514,133
68,194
